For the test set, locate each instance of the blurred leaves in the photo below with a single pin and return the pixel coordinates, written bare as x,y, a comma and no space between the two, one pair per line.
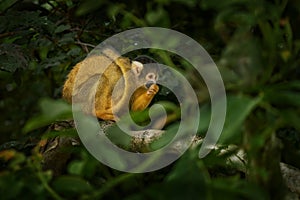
88,6
284,94
6,4
158,17
71,186
12,58
51,111
238,109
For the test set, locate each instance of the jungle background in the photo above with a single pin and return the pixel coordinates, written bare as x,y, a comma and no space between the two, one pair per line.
255,44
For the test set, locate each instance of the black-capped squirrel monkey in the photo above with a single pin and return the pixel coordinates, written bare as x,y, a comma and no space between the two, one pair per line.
111,78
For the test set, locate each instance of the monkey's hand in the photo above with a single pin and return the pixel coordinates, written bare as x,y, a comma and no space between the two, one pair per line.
143,97
153,89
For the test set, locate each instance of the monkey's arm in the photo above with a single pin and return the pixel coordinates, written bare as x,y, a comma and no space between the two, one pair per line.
142,97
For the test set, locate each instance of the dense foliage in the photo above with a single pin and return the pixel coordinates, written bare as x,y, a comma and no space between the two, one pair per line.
255,43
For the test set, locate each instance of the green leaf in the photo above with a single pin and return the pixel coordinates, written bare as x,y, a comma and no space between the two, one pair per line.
5,4
158,17
67,39
238,17
222,5
291,117
234,188
51,111
205,115
6,181
71,185
76,167
283,97
283,94
12,57
238,109
62,28
291,85
88,6
165,139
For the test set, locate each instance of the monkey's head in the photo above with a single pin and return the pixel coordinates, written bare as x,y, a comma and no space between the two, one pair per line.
146,75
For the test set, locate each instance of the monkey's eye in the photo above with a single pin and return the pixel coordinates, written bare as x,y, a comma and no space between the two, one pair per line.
151,76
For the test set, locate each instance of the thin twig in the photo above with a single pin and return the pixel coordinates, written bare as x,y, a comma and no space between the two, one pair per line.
85,44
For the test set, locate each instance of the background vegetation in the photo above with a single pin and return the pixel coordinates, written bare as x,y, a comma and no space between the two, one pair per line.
255,44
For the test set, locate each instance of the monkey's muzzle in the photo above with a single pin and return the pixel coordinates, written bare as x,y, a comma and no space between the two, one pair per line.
149,83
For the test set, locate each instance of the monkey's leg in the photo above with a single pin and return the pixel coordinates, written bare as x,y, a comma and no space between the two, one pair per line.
106,115
143,99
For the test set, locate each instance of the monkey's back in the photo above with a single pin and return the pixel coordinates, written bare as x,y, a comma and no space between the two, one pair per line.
93,81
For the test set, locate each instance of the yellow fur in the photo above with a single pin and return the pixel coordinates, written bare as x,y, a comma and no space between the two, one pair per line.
106,73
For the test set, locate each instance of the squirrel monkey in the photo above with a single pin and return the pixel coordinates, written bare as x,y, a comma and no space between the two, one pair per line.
113,79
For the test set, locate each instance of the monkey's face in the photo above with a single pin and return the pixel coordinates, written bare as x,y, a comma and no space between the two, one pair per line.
146,75
151,79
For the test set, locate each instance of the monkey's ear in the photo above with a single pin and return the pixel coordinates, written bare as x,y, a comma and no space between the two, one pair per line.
137,67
